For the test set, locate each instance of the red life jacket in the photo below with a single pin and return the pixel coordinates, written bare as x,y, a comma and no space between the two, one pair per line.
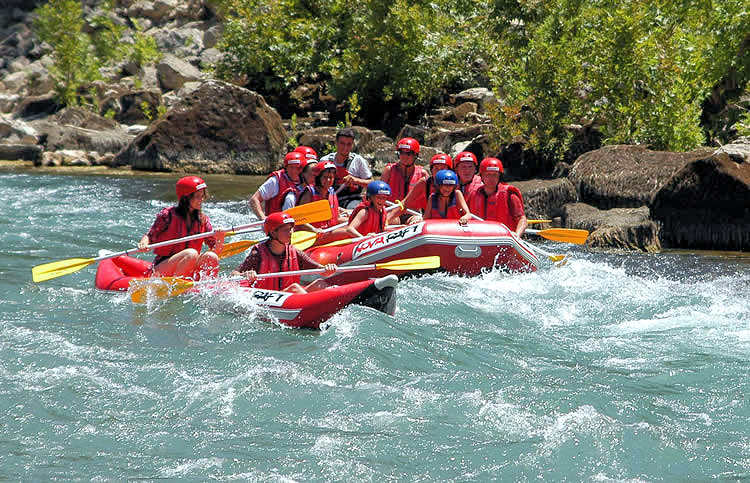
285,186
398,184
495,207
177,229
269,263
375,221
452,213
333,201
429,188
471,186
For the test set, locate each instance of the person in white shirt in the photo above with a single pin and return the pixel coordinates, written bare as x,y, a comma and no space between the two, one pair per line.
352,170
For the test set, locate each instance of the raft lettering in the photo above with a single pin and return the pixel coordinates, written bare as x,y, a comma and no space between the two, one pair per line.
386,239
267,297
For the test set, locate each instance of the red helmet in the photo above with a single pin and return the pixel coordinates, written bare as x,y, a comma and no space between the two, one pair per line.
465,156
275,220
308,152
408,144
442,159
320,167
189,185
491,165
295,158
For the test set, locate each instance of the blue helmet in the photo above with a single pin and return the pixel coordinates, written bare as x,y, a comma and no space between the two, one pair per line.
378,188
446,176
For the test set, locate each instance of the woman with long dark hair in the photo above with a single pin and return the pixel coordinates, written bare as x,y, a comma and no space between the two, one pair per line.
187,218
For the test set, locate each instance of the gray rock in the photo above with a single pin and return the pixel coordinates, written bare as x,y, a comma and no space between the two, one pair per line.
626,176
217,128
18,152
706,204
173,72
618,228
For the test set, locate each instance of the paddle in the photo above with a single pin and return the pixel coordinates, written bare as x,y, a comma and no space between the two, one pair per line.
164,287
305,239
565,235
538,221
310,212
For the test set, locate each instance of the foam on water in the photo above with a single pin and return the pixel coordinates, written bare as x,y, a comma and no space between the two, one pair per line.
612,367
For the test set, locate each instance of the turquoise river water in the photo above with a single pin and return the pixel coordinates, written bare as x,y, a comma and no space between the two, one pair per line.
615,367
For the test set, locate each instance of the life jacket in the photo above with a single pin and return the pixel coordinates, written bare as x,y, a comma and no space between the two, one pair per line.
269,263
333,201
471,186
285,186
375,221
495,207
398,184
346,194
177,228
452,213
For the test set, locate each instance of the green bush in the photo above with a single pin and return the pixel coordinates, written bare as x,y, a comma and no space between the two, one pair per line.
60,24
80,49
407,54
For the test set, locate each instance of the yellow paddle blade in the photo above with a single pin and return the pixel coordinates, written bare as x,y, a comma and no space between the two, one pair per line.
158,288
419,263
538,221
566,235
304,239
47,271
235,248
310,212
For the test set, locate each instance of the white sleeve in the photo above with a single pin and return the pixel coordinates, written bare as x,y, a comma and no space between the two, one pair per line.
269,188
290,201
359,168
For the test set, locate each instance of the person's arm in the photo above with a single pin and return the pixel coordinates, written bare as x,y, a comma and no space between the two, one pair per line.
267,190
386,175
359,172
356,223
257,206
419,190
461,202
161,223
215,243
518,214
249,267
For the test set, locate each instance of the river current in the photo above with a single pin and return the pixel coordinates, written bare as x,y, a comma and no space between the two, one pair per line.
614,367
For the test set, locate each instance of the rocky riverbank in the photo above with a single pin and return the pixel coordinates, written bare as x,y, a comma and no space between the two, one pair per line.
629,197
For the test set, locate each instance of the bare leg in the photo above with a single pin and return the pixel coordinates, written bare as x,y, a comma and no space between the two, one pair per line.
180,264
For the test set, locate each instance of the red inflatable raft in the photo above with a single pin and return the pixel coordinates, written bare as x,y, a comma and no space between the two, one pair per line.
464,250
295,310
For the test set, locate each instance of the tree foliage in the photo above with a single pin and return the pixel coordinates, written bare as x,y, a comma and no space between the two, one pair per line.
81,48
638,70
403,53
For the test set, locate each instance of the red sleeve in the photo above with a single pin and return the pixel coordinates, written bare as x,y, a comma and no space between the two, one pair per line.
251,262
160,225
516,206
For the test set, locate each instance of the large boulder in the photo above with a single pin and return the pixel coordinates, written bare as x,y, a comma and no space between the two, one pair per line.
545,198
626,176
216,128
78,129
618,228
706,205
